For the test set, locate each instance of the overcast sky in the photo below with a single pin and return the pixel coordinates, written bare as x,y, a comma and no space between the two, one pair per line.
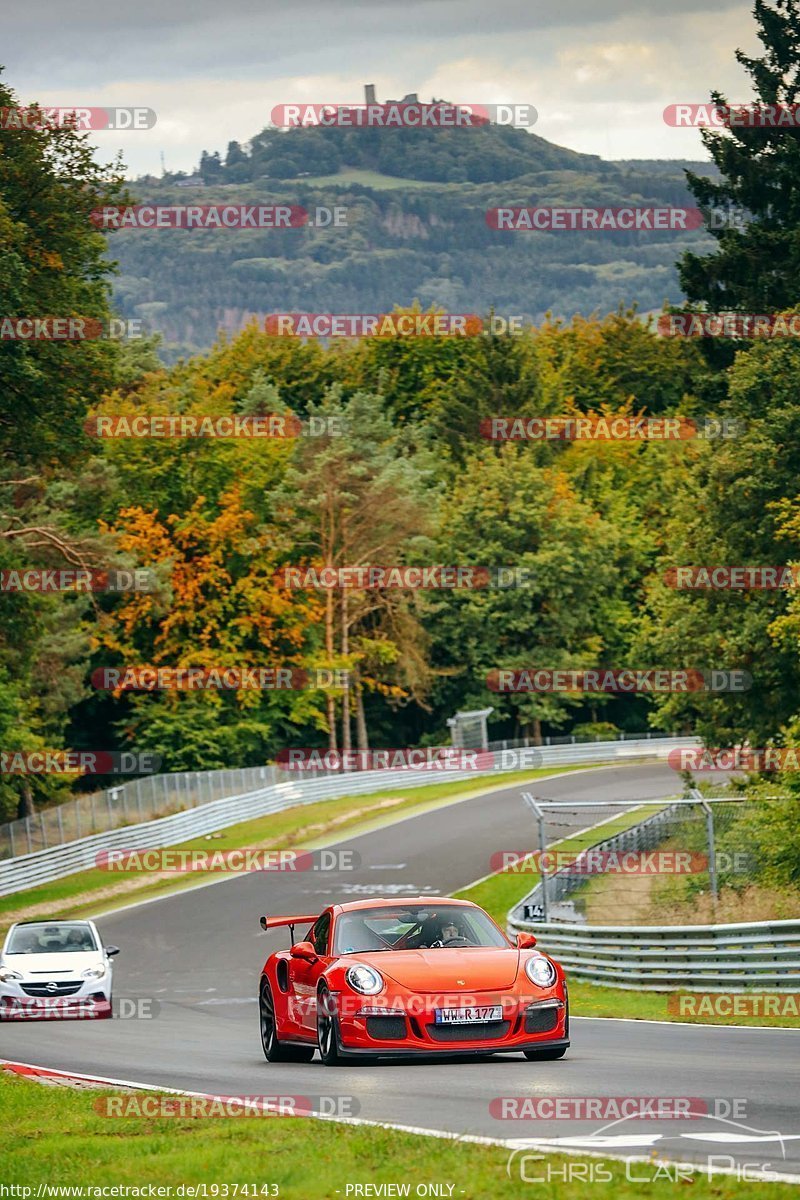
599,72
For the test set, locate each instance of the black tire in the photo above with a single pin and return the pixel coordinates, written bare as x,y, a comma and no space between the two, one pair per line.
327,1029
545,1055
275,1051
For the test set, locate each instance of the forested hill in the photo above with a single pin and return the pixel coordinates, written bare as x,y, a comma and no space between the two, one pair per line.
490,154
414,232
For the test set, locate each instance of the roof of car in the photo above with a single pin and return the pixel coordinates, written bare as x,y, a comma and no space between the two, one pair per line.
400,902
52,921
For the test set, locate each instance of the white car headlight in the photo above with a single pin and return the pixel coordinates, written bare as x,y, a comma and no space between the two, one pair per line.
95,972
540,971
365,980
7,974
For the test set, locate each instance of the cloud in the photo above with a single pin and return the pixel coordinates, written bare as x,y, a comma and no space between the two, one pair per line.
598,74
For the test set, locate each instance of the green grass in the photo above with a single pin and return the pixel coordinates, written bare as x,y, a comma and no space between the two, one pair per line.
502,891
372,179
591,1000
55,1136
308,826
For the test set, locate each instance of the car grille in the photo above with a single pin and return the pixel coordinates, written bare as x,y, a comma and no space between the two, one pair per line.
482,1032
386,1028
62,988
540,1020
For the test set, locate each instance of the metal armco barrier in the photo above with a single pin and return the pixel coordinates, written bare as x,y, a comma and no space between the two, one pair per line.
712,958
660,958
43,866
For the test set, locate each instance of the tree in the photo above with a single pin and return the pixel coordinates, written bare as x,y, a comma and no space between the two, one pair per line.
211,166
734,505
235,155
352,500
755,268
503,511
53,265
220,608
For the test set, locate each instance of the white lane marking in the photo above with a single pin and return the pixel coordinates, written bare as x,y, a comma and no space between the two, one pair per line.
650,1139
608,1140
443,1134
422,811
388,866
373,889
691,1024
721,1136
232,1000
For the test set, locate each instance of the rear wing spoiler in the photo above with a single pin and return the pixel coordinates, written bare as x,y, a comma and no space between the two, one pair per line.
276,922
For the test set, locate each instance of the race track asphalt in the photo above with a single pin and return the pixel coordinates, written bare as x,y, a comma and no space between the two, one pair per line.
198,954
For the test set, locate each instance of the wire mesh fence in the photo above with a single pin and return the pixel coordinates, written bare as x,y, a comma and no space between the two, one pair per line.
624,863
130,803
153,796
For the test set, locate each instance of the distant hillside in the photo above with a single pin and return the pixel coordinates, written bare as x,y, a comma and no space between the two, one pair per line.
410,235
484,155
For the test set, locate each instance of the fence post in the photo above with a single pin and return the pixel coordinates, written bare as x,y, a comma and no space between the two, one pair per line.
712,853
44,831
11,836
28,832
60,825
712,850
139,798
531,803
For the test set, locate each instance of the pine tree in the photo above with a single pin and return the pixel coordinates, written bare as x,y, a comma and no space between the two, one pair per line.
756,267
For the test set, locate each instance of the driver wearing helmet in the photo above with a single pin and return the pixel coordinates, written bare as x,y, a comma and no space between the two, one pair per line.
447,930
450,930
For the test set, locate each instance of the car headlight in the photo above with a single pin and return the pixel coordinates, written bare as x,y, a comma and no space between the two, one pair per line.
540,971
365,980
95,972
6,974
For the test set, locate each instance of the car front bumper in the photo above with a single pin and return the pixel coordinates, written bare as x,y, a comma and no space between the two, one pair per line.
79,998
537,1025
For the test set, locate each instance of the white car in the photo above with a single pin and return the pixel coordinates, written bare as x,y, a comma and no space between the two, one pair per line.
55,969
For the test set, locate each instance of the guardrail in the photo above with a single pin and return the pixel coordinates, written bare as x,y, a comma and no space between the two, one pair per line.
43,866
658,958
713,958
133,801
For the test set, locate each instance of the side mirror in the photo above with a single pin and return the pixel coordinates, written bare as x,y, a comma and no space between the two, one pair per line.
304,951
525,941
111,951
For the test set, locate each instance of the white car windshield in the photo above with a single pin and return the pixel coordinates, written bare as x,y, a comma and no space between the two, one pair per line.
416,927
64,937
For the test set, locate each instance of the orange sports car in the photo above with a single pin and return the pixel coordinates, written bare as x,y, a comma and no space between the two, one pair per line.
389,978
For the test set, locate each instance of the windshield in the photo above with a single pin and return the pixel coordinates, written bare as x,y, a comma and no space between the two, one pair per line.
62,938
414,927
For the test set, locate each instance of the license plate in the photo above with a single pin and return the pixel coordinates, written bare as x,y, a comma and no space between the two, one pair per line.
469,1016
